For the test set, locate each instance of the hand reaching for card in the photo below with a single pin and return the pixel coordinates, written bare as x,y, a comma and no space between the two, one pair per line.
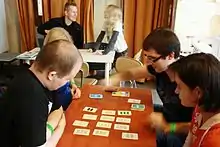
157,121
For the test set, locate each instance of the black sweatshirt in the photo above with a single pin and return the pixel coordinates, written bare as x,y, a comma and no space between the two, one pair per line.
75,30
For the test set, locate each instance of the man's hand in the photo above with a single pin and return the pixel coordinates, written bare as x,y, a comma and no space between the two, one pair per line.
76,92
157,121
47,31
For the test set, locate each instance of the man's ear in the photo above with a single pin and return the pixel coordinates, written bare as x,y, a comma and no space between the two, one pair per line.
171,55
52,75
65,12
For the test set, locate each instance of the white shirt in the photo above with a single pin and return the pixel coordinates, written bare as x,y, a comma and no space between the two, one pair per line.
120,44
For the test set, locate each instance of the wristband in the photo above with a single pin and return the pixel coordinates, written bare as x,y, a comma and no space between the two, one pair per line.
50,128
172,127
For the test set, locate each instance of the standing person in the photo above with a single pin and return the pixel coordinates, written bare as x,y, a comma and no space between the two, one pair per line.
68,22
198,85
26,108
162,47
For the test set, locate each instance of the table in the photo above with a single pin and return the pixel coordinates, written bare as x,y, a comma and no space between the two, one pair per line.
8,57
95,58
147,138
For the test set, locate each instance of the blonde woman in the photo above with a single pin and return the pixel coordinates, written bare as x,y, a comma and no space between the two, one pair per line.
111,37
64,94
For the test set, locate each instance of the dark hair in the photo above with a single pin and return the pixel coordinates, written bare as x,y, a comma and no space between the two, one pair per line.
60,56
202,70
68,4
164,41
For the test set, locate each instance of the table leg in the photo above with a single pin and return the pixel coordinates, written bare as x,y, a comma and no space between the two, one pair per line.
107,69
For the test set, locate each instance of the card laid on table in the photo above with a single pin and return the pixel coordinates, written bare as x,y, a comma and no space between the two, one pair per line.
84,132
80,123
130,136
90,109
121,93
138,107
95,96
107,118
123,120
103,125
121,127
89,117
108,112
134,101
124,113
98,132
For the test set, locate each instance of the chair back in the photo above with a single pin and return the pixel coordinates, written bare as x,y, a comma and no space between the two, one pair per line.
125,63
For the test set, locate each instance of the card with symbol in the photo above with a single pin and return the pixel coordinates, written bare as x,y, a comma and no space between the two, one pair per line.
90,109
123,120
84,132
138,107
124,113
121,94
121,127
104,125
108,112
89,116
107,118
134,101
98,132
80,123
130,136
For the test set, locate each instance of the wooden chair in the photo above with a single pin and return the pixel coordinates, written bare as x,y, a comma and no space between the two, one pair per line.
125,63
81,79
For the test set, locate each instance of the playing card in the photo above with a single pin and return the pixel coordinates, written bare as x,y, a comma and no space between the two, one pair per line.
89,117
124,113
90,109
108,112
103,125
136,101
121,93
121,127
80,123
138,107
107,118
96,96
84,132
123,120
98,132
131,136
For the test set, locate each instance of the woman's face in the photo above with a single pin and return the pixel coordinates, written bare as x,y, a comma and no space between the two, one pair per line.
188,97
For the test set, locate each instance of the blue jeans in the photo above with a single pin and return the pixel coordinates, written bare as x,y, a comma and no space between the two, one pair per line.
170,140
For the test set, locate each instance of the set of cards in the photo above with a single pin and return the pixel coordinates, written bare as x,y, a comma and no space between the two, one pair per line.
95,96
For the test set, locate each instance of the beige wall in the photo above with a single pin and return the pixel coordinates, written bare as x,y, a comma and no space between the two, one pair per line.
99,6
12,26
3,30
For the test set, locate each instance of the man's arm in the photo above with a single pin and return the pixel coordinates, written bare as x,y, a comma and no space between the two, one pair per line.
55,137
132,74
180,128
43,28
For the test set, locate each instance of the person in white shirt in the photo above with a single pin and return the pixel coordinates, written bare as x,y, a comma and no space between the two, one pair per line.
112,33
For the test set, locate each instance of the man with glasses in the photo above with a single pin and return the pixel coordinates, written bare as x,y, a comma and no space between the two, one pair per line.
161,48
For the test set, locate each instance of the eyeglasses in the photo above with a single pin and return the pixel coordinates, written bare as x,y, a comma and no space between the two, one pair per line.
153,59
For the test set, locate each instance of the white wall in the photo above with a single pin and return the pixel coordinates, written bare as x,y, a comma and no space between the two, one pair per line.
3,29
99,7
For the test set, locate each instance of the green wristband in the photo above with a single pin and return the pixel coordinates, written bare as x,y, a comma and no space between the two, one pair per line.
172,127
50,128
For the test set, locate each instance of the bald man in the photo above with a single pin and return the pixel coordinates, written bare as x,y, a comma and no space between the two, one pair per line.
27,120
